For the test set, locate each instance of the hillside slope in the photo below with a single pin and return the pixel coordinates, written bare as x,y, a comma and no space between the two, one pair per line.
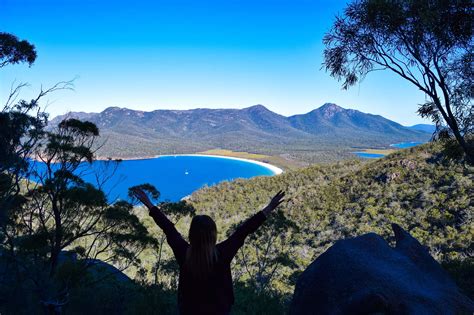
431,199
424,127
336,121
330,128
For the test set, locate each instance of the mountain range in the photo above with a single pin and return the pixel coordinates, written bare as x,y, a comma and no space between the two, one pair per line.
424,127
134,133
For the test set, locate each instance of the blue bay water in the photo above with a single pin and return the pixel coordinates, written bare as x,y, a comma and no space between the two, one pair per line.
401,145
405,145
174,176
369,155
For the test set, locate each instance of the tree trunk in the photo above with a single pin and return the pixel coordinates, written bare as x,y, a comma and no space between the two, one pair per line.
468,150
453,125
56,246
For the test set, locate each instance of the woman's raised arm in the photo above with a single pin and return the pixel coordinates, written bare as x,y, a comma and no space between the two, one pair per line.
174,238
236,240
274,203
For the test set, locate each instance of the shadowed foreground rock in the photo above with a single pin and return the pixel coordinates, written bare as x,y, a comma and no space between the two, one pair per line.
364,275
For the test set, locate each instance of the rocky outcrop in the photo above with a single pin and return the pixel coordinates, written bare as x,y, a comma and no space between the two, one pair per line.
364,275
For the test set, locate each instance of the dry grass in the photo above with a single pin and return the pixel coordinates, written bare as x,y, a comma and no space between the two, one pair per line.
379,151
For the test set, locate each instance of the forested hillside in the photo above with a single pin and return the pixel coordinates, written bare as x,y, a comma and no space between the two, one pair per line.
416,188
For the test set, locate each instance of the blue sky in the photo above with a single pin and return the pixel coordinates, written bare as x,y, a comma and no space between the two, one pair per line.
186,54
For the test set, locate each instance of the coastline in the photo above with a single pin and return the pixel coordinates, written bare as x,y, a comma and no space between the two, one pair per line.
383,152
275,169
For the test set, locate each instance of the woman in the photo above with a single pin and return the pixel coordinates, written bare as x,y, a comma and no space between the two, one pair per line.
205,280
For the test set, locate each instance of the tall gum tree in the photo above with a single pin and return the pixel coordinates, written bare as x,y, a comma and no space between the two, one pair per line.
50,219
428,43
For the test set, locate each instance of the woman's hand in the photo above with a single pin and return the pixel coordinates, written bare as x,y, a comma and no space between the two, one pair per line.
275,202
143,197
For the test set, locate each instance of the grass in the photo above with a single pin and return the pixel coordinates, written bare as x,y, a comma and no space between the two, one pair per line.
379,151
243,155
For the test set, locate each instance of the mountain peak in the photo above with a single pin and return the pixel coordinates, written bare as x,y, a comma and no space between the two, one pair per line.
259,107
329,110
113,109
331,107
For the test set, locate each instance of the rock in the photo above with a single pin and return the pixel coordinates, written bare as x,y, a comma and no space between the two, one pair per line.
95,268
411,165
388,177
364,275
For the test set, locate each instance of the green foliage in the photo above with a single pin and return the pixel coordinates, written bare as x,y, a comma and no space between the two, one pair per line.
151,299
20,134
249,301
13,50
79,127
150,189
427,43
62,242
428,195
266,259
59,213
417,188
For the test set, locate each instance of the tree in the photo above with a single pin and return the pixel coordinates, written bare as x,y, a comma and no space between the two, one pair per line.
61,214
269,251
19,130
13,50
428,43
53,225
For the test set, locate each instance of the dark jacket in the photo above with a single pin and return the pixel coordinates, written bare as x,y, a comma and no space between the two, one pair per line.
214,295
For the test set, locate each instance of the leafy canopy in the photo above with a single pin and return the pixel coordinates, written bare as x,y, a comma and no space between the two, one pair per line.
13,50
428,43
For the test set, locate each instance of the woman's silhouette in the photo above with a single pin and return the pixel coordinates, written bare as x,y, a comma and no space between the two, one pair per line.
205,280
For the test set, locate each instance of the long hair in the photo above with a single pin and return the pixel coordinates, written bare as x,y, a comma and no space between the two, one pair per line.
202,254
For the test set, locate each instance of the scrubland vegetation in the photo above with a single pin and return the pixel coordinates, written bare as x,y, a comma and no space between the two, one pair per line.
418,188
65,247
